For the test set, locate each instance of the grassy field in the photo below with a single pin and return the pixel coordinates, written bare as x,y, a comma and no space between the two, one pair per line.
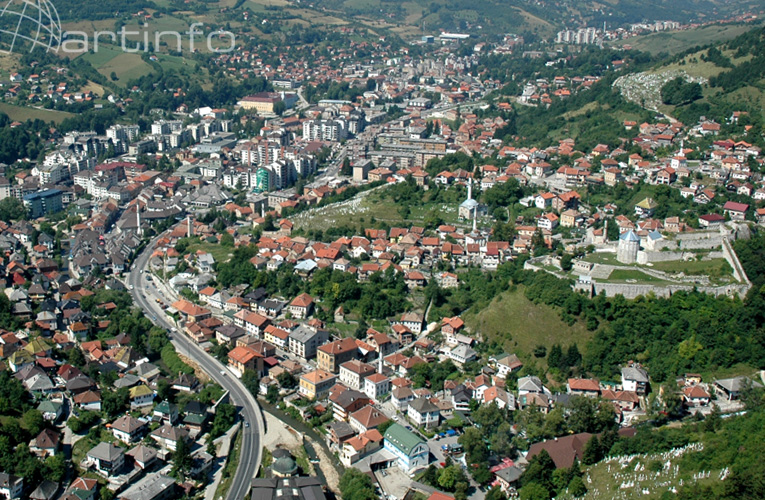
371,206
612,477
104,55
624,275
219,252
602,258
521,325
23,113
712,267
126,67
674,42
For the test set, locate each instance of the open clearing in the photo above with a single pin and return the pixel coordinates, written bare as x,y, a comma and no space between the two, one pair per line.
520,325
23,113
674,42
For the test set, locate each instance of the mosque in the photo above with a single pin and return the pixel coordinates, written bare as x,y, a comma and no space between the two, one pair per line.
470,208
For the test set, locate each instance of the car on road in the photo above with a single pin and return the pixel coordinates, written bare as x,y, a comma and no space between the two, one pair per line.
223,372
246,424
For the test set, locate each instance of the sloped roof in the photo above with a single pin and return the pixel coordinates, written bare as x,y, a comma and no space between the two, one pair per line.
402,439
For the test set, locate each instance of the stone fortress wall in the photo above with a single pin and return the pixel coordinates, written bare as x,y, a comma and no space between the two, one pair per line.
678,247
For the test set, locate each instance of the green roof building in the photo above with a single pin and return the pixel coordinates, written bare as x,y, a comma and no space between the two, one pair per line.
410,450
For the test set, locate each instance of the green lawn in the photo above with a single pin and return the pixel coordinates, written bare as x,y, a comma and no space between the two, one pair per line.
84,445
373,207
602,258
521,325
606,484
345,329
712,267
622,275
219,253
24,113
674,42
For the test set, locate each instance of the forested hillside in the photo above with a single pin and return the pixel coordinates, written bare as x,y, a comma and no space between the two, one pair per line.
688,332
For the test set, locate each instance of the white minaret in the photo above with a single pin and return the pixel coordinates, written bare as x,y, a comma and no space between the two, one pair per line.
138,219
380,364
475,219
188,226
470,189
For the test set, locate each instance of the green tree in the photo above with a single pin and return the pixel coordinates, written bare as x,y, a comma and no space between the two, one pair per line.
115,402
473,444
76,358
12,209
534,491
225,415
55,467
566,262
355,485
450,476
227,240
540,471
165,390
272,394
495,494
13,397
346,169
33,422
502,441
555,357
577,487
182,460
287,380
593,452
713,420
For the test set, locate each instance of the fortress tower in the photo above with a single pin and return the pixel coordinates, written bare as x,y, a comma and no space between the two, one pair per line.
629,245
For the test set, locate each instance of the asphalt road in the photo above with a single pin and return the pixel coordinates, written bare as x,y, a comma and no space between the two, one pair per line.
250,453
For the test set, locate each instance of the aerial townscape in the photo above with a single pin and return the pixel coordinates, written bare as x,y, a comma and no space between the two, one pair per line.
421,250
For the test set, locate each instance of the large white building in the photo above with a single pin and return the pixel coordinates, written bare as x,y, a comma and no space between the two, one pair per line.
325,130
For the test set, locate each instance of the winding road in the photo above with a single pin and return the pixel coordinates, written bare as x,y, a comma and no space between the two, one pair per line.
145,296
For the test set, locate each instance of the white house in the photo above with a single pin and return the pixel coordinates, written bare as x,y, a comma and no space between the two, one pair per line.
410,450
106,459
635,379
11,486
376,386
423,413
352,373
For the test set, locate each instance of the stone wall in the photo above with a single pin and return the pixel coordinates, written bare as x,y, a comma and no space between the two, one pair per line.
645,257
631,291
732,258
